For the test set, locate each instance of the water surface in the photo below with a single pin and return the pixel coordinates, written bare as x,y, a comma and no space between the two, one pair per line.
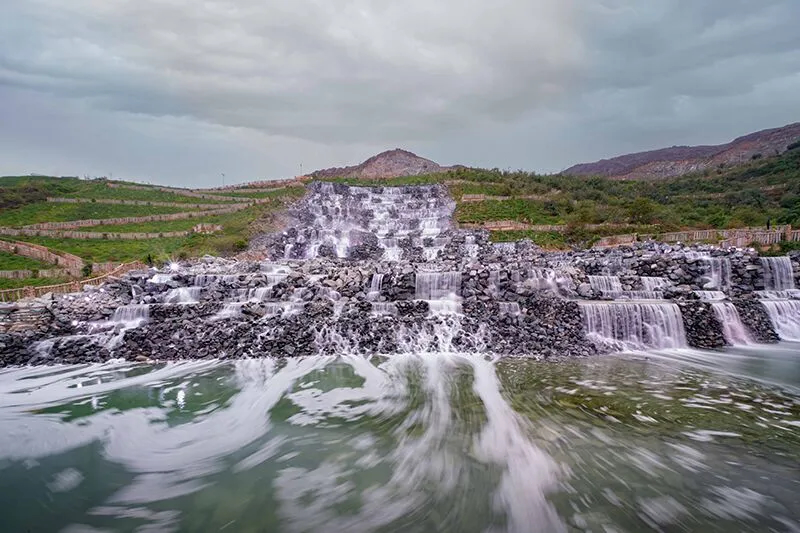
676,440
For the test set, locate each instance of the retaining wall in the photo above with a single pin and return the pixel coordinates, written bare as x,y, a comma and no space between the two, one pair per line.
45,273
71,224
140,202
69,234
72,263
191,194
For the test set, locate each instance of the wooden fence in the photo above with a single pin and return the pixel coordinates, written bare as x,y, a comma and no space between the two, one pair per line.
72,263
739,237
11,295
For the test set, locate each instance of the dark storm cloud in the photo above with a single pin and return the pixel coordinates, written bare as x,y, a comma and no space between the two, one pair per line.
175,89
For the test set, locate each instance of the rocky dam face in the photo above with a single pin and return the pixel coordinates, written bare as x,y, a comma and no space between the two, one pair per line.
383,270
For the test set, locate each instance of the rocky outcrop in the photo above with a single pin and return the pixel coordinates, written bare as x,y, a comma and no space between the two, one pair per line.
679,160
703,329
755,318
389,164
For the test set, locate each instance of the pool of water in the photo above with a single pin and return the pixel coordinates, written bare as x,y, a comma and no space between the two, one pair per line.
667,441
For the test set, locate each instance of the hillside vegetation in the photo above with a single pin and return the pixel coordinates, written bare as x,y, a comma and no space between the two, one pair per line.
23,201
764,189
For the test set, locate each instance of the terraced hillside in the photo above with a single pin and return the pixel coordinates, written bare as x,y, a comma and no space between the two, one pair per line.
104,222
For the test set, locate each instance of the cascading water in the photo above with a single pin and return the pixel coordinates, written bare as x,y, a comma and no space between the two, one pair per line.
785,316
650,283
718,271
778,273
441,290
509,308
230,310
778,297
608,286
710,295
634,326
342,218
611,287
733,329
133,315
183,295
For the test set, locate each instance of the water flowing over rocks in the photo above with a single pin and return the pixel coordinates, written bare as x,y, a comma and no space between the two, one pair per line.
378,270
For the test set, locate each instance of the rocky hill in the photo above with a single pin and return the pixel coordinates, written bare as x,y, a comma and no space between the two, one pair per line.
678,160
389,164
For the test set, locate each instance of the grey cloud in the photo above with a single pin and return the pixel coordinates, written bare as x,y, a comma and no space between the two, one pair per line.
184,90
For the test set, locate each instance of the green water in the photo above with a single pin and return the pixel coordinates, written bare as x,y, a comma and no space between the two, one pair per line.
669,441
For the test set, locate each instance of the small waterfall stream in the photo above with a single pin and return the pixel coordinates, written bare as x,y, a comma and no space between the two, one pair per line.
718,271
778,273
183,295
608,286
779,297
634,326
441,290
733,329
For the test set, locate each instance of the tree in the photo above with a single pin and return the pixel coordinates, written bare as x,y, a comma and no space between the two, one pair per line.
642,211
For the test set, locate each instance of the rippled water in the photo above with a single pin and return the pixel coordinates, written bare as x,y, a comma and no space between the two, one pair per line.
668,441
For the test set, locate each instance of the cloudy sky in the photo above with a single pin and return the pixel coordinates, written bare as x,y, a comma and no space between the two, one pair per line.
180,91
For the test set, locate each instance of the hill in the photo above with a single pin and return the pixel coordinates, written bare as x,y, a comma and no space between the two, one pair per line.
680,160
389,164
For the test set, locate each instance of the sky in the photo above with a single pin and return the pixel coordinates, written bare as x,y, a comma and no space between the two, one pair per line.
180,92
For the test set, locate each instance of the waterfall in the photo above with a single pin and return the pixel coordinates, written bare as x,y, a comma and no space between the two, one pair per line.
391,251
183,295
784,312
710,295
441,291
650,283
131,315
509,308
229,310
718,273
785,317
606,285
160,278
339,216
375,287
732,328
641,295
634,326
778,273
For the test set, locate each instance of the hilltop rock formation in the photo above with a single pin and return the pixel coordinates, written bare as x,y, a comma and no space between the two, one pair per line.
389,164
679,160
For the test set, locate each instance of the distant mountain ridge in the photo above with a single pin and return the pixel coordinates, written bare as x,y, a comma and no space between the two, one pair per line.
389,164
679,160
